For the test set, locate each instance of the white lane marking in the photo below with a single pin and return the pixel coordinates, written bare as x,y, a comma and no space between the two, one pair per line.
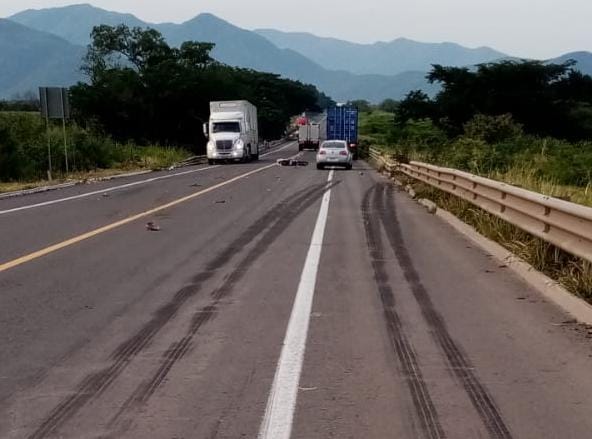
103,191
279,149
123,186
279,414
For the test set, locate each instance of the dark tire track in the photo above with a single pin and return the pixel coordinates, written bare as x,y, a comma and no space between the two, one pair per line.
95,384
422,401
177,350
459,364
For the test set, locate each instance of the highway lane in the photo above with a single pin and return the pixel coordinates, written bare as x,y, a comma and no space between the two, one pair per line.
414,333
83,208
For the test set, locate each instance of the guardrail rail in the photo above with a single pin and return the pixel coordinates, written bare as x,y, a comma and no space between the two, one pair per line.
561,223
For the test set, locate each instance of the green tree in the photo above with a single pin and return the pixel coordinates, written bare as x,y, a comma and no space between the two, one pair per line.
389,105
142,89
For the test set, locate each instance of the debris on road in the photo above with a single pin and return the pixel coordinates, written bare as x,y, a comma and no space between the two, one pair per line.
151,227
291,162
221,202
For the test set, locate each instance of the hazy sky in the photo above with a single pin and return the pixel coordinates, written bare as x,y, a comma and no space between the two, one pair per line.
527,28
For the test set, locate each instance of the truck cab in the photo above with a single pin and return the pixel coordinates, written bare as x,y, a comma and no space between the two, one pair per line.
232,132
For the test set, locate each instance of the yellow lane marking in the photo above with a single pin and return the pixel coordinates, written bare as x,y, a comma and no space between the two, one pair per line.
53,248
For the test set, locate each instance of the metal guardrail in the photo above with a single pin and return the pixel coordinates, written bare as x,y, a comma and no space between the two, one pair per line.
561,223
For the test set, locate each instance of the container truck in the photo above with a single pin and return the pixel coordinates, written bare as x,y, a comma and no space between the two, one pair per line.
309,136
342,124
232,132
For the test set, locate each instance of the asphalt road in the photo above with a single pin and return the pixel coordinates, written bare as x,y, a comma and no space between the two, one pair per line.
273,302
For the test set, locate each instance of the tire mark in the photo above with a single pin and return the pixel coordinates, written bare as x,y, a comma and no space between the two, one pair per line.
178,350
422,401
459,364
95,384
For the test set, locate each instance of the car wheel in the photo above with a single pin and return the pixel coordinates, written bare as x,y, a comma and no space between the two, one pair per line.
320,166
349,167
211,162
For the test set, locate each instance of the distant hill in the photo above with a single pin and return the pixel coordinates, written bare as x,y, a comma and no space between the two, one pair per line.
29,59
383,58
234,46
583,61
342,70
73,23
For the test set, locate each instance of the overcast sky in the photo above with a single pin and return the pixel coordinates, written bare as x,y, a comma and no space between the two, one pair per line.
526,28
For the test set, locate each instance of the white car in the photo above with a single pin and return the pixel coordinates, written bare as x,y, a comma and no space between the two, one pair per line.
334,153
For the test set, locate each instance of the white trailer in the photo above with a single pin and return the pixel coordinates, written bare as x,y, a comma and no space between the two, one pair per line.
232,132
309,136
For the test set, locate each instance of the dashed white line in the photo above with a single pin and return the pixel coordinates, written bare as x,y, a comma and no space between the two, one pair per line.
281,404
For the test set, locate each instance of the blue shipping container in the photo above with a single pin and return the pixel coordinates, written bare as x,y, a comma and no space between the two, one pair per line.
342,124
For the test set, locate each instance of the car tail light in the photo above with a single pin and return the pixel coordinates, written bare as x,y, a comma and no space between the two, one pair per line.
352,145
343,153
322,152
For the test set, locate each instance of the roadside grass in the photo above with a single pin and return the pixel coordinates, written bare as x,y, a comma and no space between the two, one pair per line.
150,158
24,153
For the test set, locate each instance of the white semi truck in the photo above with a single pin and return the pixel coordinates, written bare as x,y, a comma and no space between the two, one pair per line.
232,132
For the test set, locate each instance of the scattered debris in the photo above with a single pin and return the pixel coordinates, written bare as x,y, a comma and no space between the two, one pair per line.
566,323
106,195
151,227
503,266
221,202
429,205
291,162
196,185
308,389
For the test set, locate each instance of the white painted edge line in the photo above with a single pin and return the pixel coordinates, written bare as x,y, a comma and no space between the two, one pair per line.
102,191
37,190
576,307
281,404
124,186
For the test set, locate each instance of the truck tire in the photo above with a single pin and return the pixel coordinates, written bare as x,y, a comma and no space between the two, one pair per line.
255,156
211,162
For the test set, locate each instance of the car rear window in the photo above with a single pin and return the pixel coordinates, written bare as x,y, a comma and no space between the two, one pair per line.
332,145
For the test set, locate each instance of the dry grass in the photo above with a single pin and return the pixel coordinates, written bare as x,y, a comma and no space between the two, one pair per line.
528,179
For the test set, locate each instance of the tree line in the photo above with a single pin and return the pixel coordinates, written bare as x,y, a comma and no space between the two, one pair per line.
545,99
143,90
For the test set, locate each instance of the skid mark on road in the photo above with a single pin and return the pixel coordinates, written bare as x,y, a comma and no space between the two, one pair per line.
422,401
460,365
96,384
284,216
281,404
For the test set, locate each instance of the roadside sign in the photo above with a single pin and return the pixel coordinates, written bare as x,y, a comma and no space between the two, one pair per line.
54,102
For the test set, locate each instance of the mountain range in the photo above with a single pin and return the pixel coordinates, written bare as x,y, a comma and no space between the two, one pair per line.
54,41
